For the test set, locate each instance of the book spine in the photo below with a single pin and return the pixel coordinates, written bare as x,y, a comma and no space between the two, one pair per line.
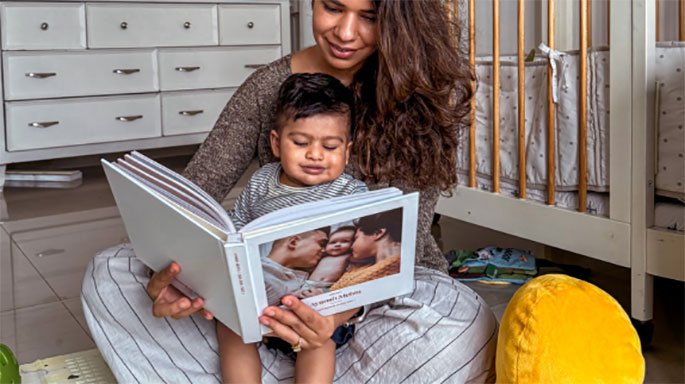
243,289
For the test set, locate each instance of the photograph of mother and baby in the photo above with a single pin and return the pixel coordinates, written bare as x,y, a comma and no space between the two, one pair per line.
334,257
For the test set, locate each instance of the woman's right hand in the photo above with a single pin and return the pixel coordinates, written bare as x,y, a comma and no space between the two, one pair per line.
169,301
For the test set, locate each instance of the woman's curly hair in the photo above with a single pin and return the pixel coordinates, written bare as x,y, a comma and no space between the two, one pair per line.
412,97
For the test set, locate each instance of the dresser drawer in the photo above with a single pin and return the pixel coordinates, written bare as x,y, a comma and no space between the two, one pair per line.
55,123
192,111
42,74
211,67
146,25
244,24
42,26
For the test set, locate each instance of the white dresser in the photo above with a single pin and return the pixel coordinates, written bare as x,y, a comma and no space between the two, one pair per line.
83,78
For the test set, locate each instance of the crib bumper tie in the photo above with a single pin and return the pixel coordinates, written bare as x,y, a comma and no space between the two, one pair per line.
554,58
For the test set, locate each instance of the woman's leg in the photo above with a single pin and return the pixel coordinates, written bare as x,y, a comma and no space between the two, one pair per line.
137,346
441,332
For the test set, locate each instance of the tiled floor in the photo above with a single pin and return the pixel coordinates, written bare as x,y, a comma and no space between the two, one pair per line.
48,236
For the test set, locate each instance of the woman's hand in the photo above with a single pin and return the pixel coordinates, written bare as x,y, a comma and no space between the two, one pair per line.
168,301
302,322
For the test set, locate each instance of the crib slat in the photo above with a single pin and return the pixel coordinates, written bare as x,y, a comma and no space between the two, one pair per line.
551,116
522,97
658,37
582,111
681,18
609,22
495,96
589,23
472,61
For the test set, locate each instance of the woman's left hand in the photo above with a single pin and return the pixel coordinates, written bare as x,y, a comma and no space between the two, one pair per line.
302,322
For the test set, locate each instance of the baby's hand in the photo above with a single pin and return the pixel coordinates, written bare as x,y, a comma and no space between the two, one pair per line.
310,292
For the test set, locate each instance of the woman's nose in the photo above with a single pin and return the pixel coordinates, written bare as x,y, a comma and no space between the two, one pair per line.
347,28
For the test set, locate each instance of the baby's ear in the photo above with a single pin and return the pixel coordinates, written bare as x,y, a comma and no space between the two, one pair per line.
275,143
347,152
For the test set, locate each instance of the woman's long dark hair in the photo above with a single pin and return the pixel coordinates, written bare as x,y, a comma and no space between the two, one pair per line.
413,95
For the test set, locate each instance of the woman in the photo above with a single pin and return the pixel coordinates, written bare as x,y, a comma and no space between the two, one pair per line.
413,90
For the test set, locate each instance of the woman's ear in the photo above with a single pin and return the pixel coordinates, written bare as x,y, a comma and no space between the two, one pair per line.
275,143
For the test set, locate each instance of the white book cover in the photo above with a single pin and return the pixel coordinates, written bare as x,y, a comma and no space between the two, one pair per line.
334,254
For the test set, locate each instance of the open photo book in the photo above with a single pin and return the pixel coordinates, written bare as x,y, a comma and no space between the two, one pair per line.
334,254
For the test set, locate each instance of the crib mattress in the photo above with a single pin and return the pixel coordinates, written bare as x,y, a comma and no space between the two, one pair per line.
671,136
670,75
669,215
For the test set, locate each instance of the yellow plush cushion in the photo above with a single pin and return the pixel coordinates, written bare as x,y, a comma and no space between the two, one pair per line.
558,329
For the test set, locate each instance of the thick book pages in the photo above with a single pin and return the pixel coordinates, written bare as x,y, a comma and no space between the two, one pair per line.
334,254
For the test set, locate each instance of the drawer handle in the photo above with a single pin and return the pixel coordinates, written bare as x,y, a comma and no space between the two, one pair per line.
126,71
44,26
254,66
50,252
186,25
129,118
191,113
187,69
43,124
123,25
250,25
40,75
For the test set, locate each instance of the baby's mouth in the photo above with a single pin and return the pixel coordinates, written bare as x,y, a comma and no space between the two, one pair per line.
312,170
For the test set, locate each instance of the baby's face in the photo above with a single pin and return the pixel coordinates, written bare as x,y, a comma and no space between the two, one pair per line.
339,242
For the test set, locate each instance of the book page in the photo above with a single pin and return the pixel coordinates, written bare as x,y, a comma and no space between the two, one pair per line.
167,193
168,185
187,183
320,207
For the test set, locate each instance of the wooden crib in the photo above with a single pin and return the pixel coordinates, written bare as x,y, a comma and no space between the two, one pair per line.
627,236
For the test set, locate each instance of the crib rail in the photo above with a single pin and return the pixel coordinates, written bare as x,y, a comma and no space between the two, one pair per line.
585,42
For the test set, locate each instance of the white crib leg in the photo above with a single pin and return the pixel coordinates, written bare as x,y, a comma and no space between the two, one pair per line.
641,297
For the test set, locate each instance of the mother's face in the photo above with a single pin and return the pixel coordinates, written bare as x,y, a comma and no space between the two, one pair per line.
364,246
345,31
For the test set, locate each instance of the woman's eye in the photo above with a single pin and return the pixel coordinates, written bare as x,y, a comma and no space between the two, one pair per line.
371,19
300,143
330,147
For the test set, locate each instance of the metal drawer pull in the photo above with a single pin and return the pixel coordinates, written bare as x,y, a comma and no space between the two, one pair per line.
187,69
50,252
129,118
123,25
254,66
126,71
44,26
250,25
40,75
186,25
191,113
43,124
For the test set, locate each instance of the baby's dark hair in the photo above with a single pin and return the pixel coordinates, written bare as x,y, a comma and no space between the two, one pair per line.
307,94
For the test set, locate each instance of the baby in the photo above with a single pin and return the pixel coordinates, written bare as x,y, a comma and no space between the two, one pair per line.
312,138
333,263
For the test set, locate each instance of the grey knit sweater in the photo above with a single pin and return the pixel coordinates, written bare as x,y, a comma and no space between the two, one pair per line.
242,132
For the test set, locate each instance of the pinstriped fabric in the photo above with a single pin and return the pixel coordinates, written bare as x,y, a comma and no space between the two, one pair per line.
441,332
265,194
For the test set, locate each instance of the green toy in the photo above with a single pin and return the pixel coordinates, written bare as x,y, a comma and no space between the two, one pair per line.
9,368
